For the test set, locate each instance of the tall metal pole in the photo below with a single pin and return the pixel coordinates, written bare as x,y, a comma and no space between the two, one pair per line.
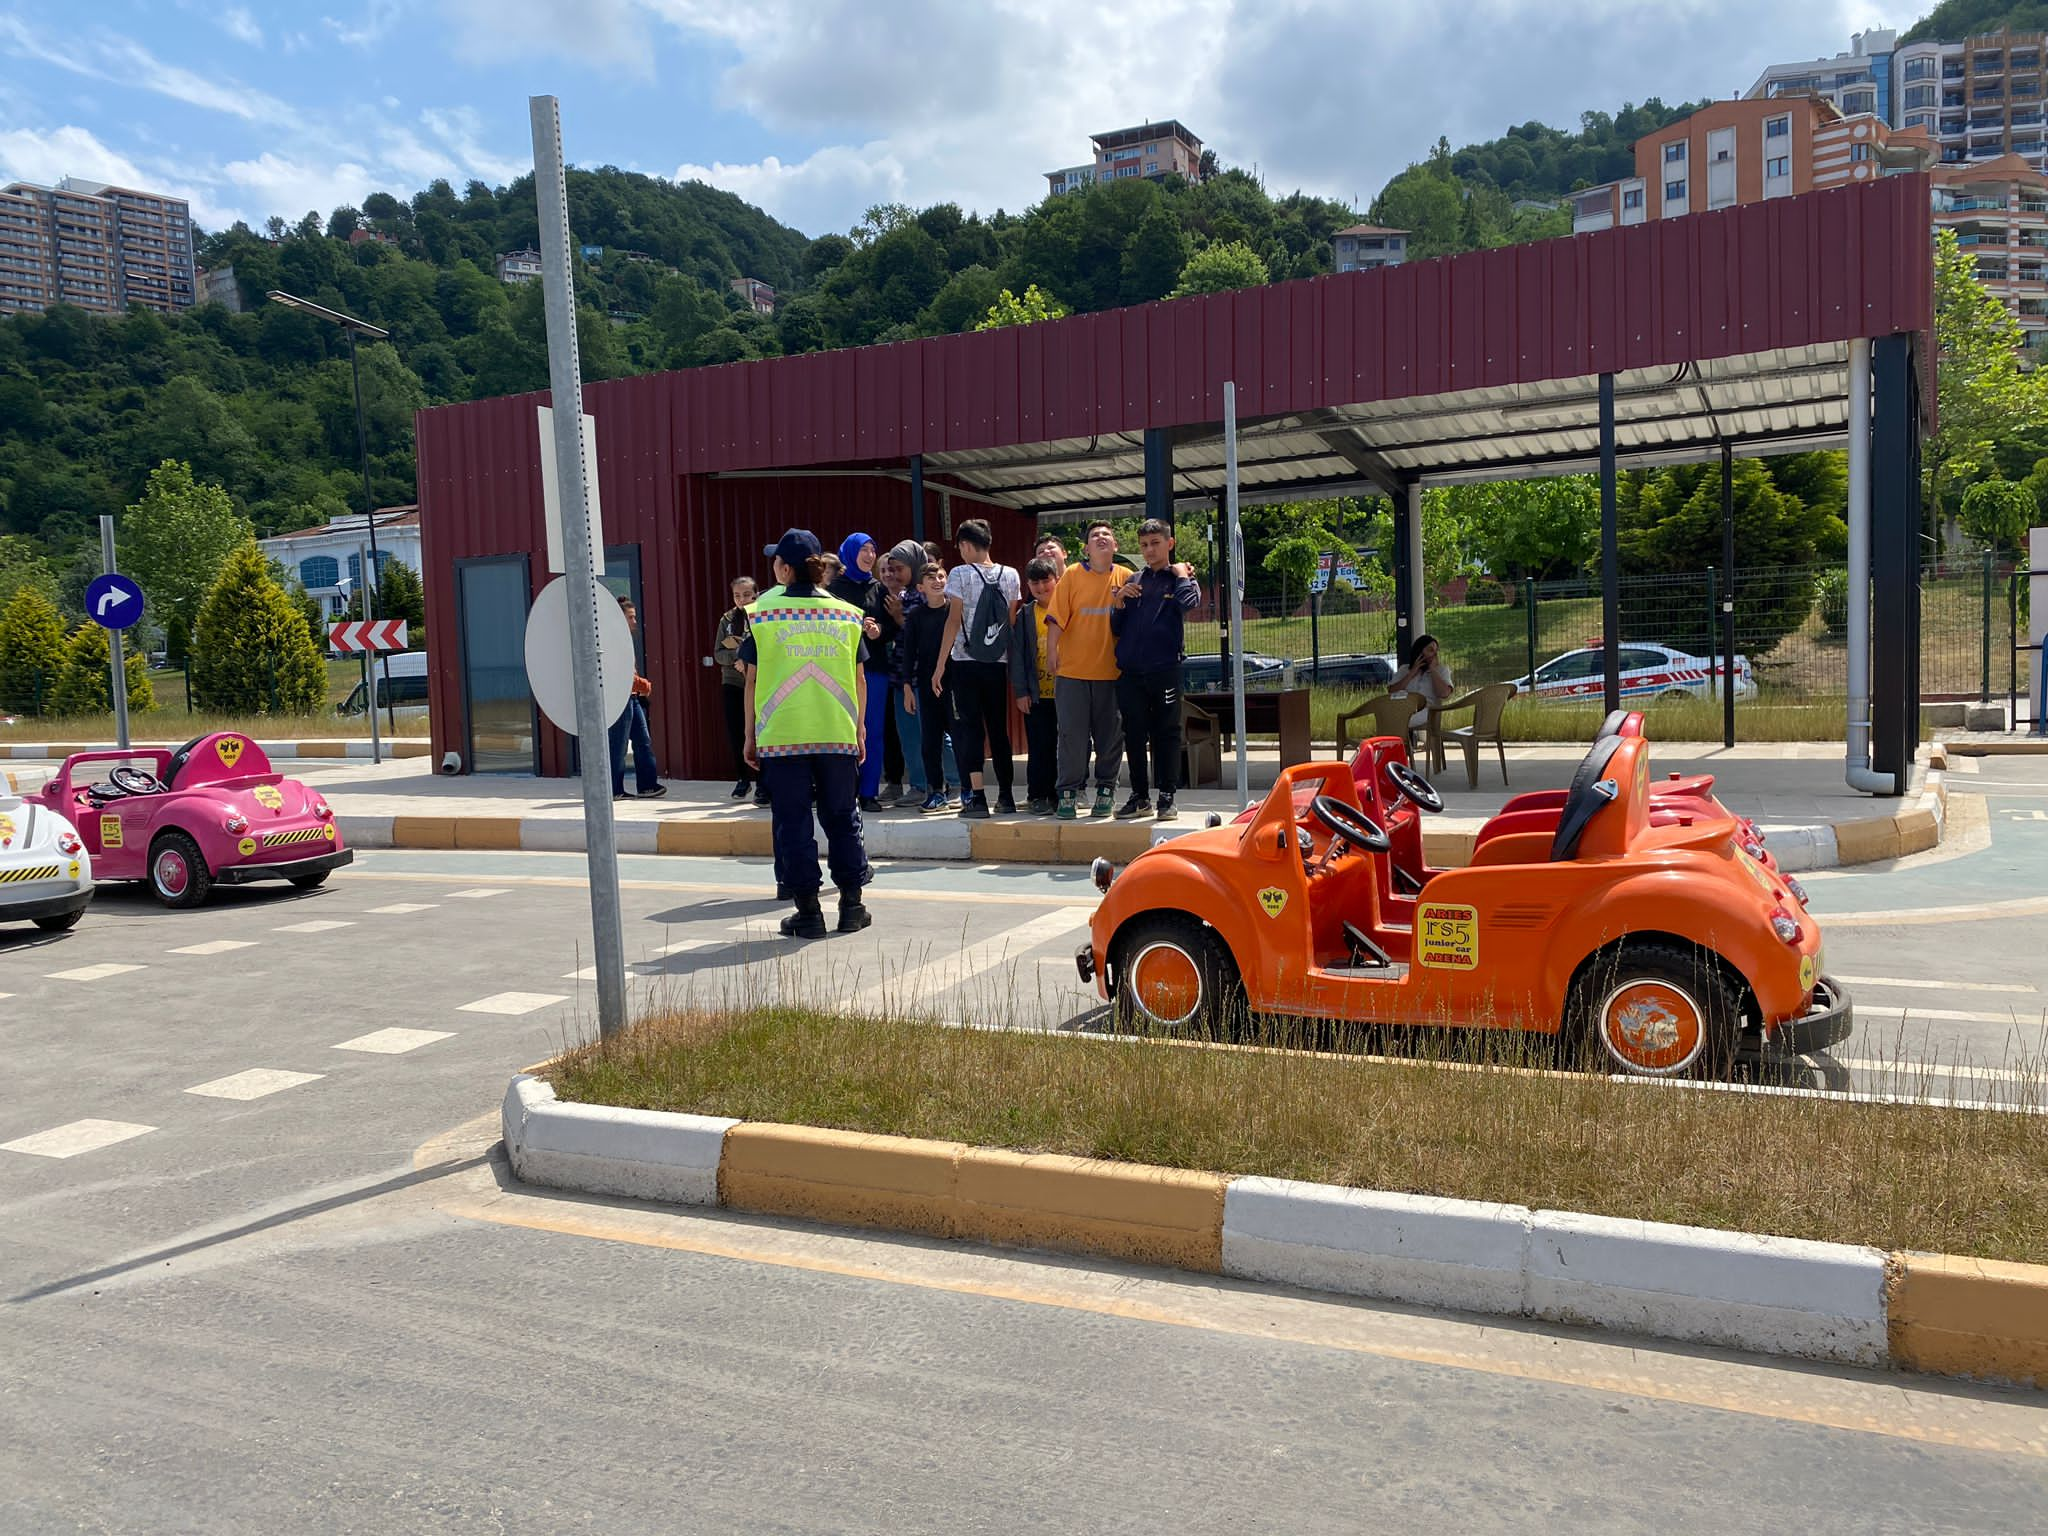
579,560
1727,596
1610,553
116,651
1234,536
369,581
370,689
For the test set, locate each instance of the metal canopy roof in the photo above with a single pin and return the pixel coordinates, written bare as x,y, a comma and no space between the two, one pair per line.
1782,401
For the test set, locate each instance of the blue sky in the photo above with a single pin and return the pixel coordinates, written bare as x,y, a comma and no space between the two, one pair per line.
815,109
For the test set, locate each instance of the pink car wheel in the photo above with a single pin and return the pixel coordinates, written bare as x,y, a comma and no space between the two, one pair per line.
177,871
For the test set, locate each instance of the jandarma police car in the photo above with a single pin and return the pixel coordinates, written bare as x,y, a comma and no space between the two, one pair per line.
1647,672
45,872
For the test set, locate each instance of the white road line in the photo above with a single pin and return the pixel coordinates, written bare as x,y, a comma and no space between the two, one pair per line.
680,947
513,1004
254,1083
394,1042
950,970
2013,1015
213,947
92,973
477,894
401,908
317,925
1907,1070
79,1136
1920,984
5,995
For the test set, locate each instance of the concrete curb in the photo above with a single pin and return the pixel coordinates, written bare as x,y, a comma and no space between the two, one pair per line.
1772,1295
399,746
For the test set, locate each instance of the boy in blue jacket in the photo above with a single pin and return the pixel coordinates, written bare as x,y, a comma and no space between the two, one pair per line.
1147,615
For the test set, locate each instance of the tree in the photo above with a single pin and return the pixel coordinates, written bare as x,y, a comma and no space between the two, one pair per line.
174,542
1154,258
1997,513
1544,529
85,686
21,566
399,596
1009,309
1217,268
252,653
31,652
1981,394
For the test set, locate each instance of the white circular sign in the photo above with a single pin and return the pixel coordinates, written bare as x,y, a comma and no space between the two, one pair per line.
550,669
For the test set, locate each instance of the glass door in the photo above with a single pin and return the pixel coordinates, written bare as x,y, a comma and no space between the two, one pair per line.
497,704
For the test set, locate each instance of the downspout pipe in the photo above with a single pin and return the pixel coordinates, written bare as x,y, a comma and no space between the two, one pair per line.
1857,770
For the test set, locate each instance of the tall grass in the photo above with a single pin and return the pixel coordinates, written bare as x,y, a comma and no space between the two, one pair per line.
1473,1119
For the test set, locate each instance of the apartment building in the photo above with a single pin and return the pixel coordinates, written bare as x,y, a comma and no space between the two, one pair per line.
1151,150
1999,212
328,560
97,246
1747,151
1854,83
1363,247
755,294
519,267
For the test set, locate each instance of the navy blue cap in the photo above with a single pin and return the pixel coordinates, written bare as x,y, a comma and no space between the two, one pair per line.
796,546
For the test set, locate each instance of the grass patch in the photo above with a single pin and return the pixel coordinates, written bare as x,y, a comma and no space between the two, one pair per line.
1894,1177
172,721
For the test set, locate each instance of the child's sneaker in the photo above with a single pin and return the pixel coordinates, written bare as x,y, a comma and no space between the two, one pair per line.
1105,802
1007,804
1167,810
1134,808
933,803
1067,812
1043,806
974,805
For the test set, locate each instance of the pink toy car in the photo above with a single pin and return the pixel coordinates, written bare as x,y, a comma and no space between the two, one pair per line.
210,813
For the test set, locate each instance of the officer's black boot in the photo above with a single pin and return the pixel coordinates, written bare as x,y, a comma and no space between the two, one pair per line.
853,912
807,921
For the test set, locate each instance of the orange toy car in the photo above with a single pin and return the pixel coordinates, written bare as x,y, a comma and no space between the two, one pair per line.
1668,945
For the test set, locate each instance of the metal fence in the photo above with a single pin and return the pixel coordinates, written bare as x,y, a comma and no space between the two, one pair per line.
1790,627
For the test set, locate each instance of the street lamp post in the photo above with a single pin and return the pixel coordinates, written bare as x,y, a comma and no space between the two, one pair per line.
350,326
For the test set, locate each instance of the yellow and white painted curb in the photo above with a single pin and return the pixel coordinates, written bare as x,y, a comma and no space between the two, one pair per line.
277,751
1738,1290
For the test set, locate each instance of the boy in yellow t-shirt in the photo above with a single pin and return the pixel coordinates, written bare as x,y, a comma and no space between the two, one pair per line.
1032,680
1083,656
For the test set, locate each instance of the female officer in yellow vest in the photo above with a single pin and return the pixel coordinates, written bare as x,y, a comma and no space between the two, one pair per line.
806,707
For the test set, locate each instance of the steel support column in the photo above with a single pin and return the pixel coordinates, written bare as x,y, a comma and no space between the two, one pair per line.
1610,553
1403,598
1727,596
917,497
1894,559
1159,475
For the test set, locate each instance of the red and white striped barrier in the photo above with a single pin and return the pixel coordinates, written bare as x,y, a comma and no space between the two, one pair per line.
367,635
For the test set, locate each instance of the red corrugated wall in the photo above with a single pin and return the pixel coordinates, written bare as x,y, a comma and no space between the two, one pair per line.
1792,272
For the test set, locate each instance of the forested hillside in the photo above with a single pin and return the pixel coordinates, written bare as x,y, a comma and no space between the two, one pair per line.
260,402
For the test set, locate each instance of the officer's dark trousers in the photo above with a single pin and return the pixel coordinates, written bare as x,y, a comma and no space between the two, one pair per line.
830,781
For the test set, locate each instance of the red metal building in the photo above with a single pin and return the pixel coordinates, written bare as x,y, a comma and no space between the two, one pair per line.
1727,330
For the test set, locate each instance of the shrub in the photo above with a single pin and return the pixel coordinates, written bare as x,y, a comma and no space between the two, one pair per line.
1833,592
252,651
85,685
31,652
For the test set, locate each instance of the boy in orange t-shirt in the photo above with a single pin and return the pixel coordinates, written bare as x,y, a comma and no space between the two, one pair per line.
1082,655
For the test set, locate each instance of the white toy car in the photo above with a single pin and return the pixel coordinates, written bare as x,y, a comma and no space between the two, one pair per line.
45,872
1647,671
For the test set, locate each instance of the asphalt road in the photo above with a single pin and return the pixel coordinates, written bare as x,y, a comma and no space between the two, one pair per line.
293,1300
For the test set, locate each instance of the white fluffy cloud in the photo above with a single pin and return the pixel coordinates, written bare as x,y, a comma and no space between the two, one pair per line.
971,102
241,26
27,154
292,188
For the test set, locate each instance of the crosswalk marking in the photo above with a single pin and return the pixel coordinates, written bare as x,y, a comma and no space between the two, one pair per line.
1912,1069
477,893
214,947
1922,984
394,1042
660,951
317,925
950,970
401,908
79,1136
512,1004
2015,1015
92,972
253,1084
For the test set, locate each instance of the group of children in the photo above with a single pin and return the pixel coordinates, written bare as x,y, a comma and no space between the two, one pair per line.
1091,652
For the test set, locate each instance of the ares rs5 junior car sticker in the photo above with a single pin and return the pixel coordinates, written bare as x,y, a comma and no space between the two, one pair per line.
1447,937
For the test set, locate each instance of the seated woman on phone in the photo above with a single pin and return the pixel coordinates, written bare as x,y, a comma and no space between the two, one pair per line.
1425,679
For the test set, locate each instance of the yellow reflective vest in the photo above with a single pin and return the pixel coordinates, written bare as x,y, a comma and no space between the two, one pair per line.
806,679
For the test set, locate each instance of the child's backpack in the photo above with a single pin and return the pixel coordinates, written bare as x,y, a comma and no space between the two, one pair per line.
986,636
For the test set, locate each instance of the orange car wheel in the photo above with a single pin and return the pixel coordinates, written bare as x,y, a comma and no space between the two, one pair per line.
1659,1010
1173,975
